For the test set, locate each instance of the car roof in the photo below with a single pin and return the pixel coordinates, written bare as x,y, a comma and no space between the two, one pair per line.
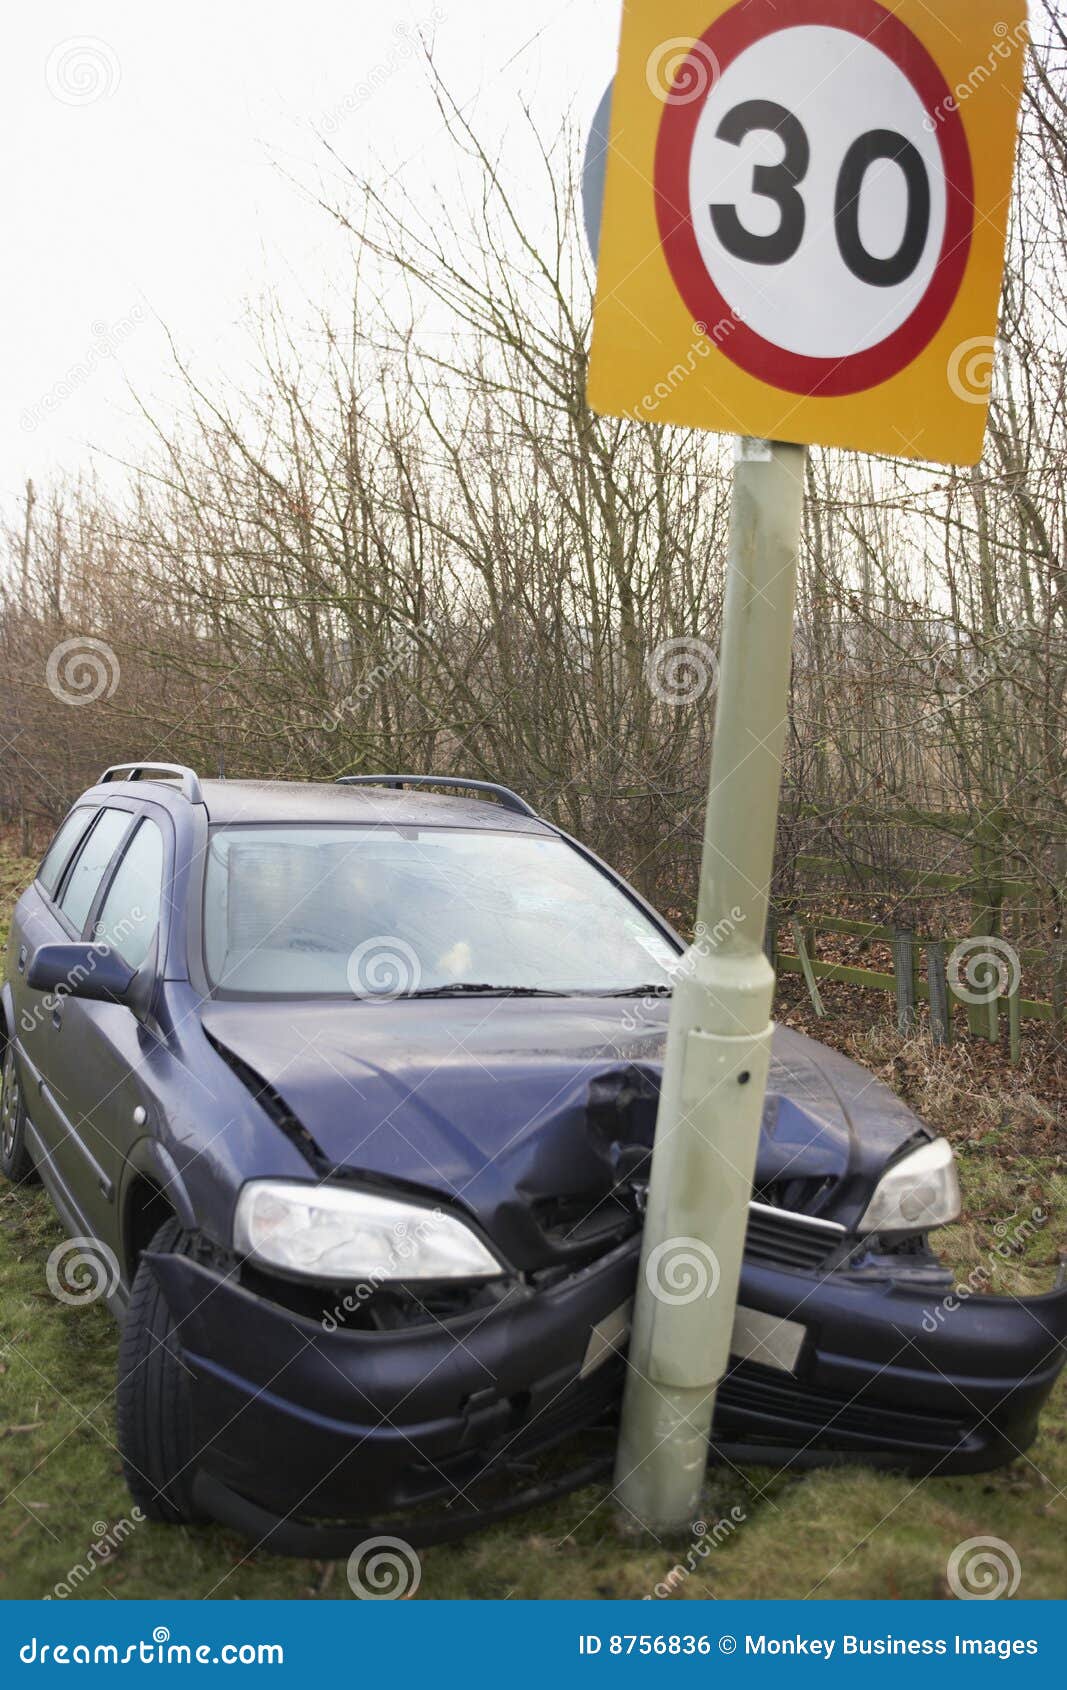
232,802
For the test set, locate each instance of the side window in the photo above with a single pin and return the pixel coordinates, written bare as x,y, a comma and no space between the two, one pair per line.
84,879
57,856
129,915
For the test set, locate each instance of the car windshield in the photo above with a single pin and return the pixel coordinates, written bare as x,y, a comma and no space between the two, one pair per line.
392,912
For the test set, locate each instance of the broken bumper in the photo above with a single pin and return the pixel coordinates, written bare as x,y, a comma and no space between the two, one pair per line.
298,1424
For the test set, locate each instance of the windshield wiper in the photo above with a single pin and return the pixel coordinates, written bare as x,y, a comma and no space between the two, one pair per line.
462,988
659,991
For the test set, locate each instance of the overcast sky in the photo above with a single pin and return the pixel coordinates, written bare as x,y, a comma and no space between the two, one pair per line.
147,151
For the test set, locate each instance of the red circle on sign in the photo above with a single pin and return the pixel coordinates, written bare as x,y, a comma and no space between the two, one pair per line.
745,24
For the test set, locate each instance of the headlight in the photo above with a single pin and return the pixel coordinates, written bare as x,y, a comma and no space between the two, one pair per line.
329,1232
920,1192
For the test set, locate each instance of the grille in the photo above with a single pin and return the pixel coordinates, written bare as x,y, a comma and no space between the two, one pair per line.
757,1405
784,1239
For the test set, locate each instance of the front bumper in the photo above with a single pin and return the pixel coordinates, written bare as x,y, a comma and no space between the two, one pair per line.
298,1424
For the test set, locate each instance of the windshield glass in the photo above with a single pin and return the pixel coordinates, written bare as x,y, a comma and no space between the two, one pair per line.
386,912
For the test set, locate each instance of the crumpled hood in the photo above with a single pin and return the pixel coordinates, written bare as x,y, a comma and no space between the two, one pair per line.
528,1112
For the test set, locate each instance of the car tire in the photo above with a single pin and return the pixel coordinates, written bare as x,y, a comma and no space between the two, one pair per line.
155,1420
15,1159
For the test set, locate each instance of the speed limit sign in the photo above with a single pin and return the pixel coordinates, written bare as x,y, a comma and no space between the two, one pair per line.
804,219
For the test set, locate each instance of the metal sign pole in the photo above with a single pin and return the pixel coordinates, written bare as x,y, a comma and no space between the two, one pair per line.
718,1045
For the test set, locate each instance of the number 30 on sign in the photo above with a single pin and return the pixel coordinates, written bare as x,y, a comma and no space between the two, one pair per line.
804,219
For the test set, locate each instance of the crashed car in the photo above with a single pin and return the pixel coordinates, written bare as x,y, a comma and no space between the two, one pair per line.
347,1091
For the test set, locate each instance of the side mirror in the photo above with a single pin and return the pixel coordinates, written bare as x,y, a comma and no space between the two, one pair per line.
81,971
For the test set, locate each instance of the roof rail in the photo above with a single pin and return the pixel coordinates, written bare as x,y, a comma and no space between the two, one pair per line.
504,796
188,778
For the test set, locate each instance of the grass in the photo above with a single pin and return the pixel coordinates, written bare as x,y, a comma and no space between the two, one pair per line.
843,1533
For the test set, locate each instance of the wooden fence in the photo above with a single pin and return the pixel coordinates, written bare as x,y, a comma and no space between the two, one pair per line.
992,977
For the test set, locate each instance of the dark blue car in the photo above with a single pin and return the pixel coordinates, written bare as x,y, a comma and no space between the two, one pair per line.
348,1090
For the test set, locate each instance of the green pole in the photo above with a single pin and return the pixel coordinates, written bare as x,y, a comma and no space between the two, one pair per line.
719,1038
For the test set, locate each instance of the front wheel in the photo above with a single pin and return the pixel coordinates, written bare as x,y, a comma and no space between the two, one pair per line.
155,1420
15,1159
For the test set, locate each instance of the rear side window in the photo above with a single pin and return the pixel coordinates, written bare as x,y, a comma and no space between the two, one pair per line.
84,879
129,915
59,852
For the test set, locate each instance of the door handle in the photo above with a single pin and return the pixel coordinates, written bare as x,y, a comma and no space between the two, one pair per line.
22,959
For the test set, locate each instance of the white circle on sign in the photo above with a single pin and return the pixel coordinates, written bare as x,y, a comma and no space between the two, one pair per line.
838,87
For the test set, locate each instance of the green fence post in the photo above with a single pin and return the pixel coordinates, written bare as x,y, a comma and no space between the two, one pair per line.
1015,1040
806,968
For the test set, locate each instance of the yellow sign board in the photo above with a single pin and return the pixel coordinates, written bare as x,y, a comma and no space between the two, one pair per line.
804,219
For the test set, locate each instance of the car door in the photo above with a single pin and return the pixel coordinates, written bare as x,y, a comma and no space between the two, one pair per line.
101,1052
36,922
56,1105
